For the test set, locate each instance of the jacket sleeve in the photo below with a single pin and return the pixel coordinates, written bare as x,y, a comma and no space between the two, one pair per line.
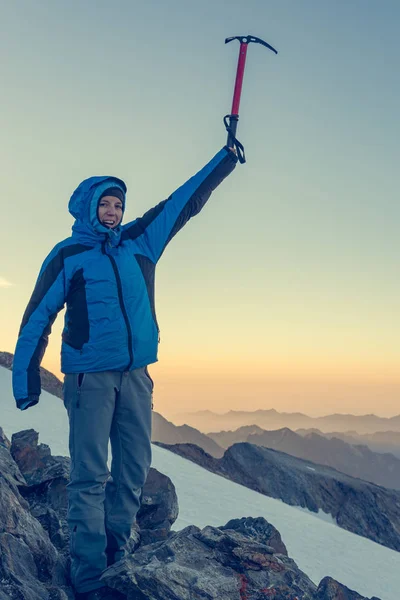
159,225
47,300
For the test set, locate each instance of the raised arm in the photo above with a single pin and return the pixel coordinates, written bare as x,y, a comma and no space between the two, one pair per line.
159,225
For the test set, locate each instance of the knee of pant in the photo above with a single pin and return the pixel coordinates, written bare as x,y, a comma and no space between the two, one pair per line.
139,480
83,471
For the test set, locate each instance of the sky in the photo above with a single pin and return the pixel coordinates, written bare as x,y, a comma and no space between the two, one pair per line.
208,499
284,291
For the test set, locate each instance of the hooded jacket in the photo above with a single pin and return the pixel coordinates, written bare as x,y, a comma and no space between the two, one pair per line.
106,279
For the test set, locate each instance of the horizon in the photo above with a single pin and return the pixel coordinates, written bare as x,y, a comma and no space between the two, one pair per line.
272,409
283,292
285,413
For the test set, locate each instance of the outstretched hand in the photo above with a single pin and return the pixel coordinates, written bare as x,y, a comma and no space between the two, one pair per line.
28,402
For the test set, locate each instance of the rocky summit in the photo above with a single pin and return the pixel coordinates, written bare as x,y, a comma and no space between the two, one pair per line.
245,559
242,560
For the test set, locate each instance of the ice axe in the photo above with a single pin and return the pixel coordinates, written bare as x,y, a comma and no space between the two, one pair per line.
231,120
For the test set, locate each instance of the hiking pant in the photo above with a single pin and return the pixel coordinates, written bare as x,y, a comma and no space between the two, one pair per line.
102,407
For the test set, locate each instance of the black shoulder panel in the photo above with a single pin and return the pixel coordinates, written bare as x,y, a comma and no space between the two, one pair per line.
48,277
33,370
139,226
76,332
148,269
196,202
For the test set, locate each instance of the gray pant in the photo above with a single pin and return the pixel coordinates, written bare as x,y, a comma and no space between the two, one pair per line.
105,406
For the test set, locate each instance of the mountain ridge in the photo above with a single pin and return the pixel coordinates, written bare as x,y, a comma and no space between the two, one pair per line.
364,508
208,422
356,460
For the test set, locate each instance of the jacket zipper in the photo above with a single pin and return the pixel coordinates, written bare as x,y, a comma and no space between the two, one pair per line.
122,304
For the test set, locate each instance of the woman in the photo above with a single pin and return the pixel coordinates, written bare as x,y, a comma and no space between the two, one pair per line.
105,274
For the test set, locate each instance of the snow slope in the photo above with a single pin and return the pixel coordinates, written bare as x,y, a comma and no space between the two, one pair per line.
319,547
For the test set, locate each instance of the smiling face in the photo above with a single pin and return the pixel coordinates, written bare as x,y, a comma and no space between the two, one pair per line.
110,211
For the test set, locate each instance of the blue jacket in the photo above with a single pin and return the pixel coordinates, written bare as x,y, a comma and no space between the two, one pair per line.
106,279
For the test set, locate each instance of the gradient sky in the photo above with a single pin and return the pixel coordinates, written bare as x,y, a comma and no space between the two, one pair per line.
284,291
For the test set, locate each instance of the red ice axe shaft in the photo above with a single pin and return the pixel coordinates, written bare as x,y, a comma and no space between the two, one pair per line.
234,116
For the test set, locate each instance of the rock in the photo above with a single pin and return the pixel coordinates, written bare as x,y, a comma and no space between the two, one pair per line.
159,507
4,441
35,460
329,589
260,530
46,478
134,539
50,521
196,455
6,360
9,468
29,563
229,563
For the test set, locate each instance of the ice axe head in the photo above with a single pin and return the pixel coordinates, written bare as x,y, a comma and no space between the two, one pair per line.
247,39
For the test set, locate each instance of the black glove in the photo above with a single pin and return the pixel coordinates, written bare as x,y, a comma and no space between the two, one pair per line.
25,403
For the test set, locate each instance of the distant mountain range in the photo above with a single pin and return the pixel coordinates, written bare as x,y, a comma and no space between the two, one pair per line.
358,506
208,421
168,433
381,441
356,461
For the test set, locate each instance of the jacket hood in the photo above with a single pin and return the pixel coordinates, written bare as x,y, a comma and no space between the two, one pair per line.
83,206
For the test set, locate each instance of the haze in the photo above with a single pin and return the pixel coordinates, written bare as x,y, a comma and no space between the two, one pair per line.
284,291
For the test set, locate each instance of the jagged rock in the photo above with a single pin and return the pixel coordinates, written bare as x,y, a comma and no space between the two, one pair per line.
134,539
10,469
159,507
35,460
6,360
50,511
213,563
329,589
30,566
259,530
46,478
51,522
4,441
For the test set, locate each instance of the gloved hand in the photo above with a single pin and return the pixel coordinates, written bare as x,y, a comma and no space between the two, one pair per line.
25,403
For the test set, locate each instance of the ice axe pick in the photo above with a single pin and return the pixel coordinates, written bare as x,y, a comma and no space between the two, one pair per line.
231,120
